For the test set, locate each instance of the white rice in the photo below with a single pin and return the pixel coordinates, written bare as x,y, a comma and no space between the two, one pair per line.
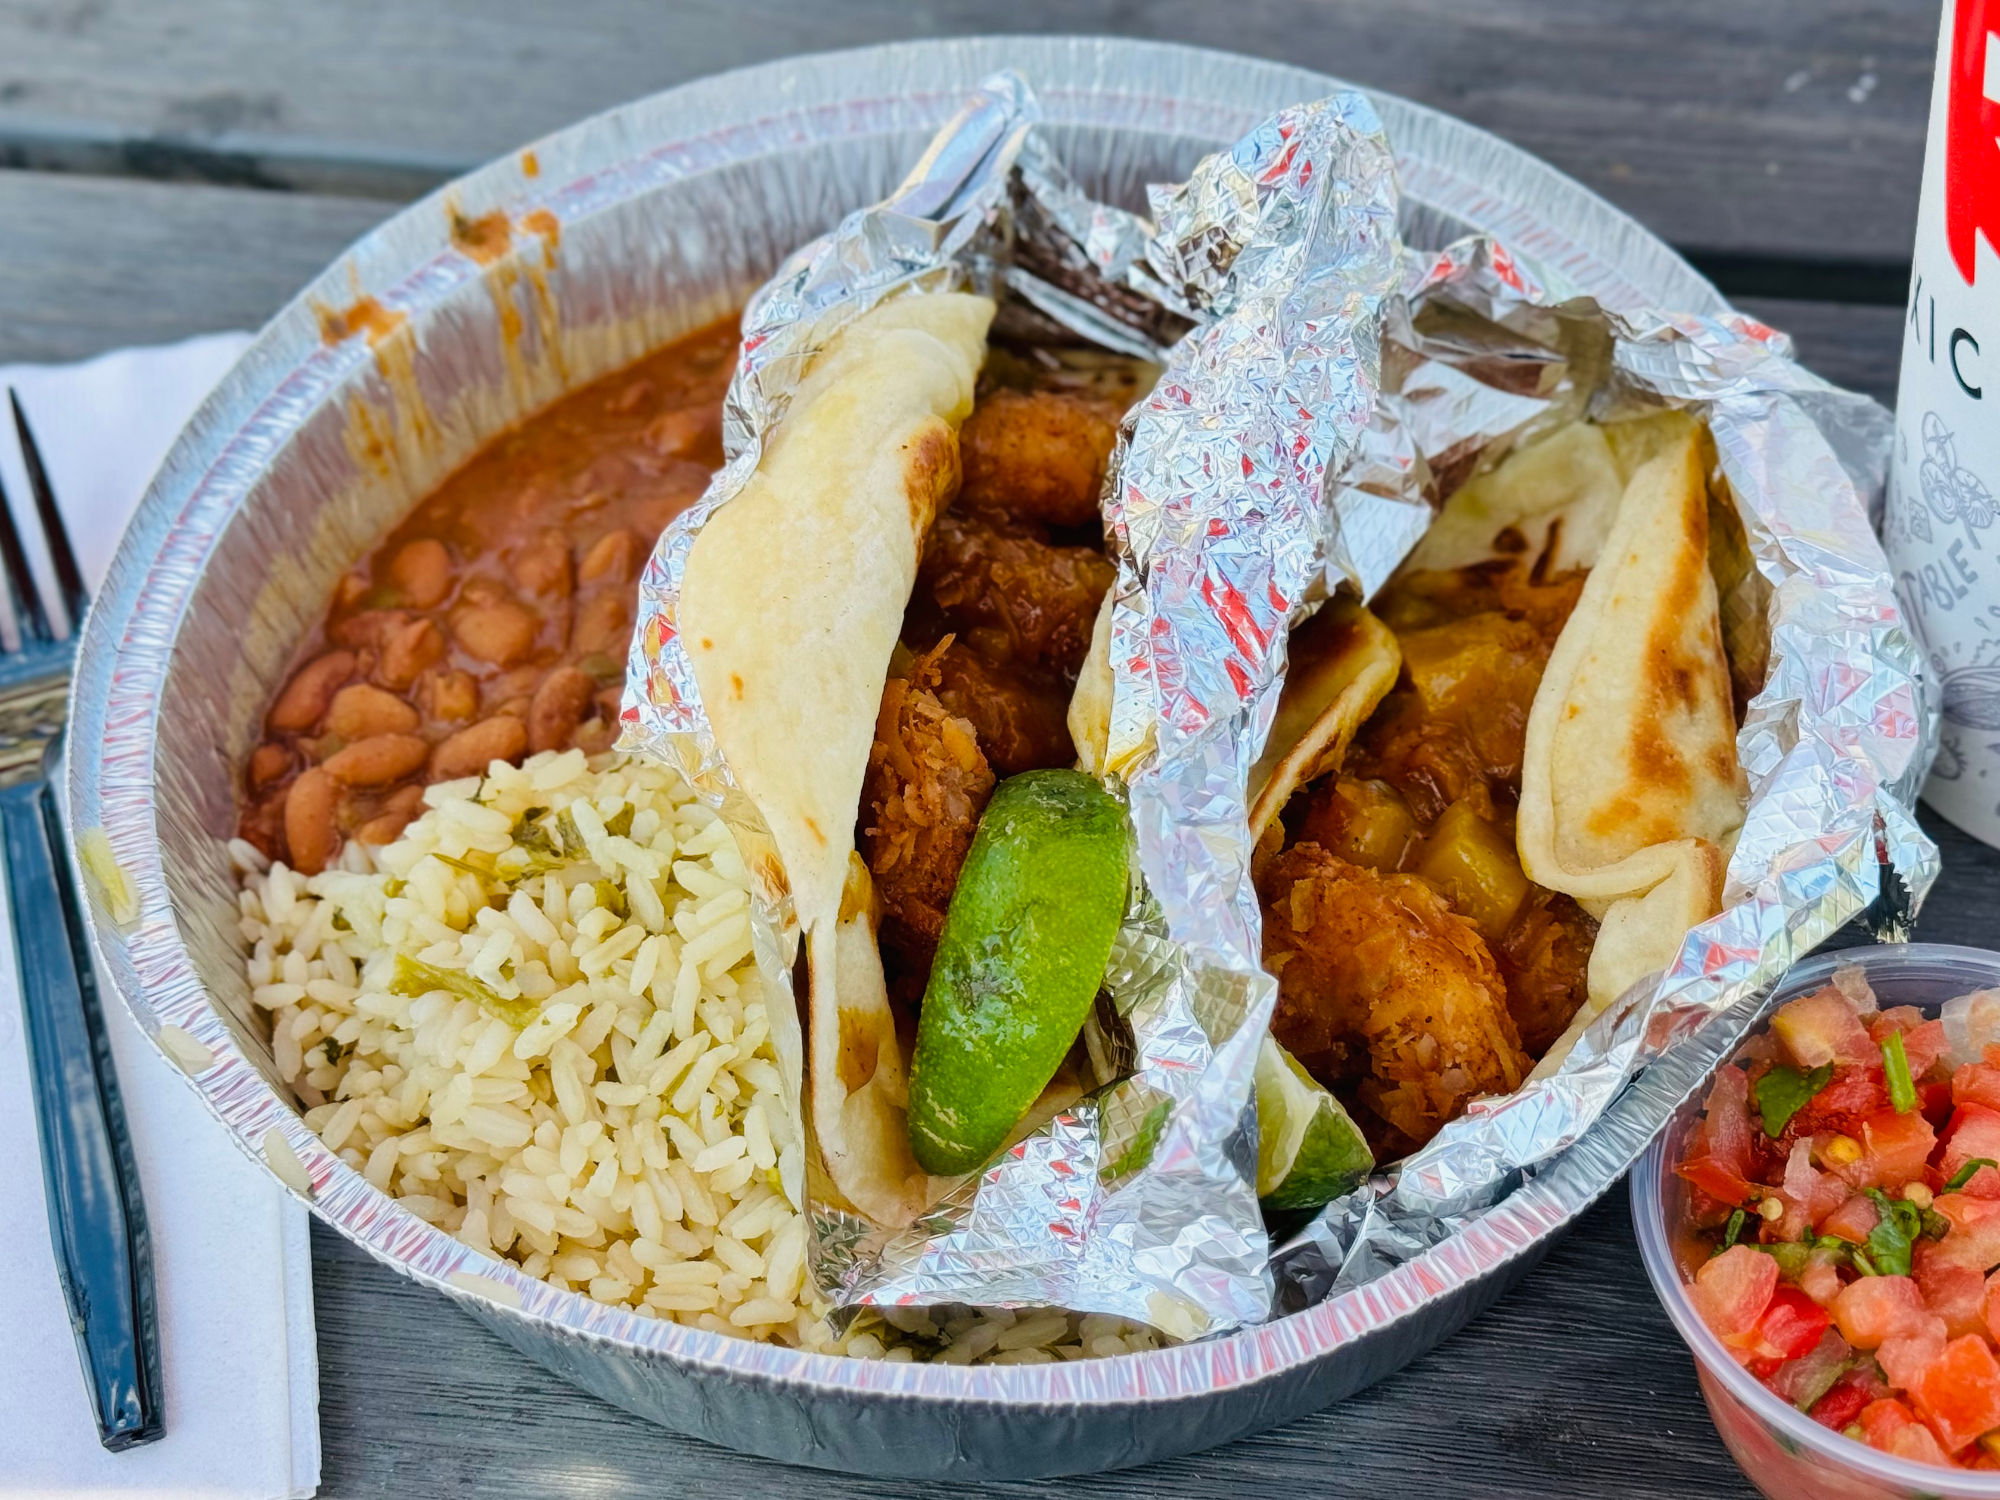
592,1090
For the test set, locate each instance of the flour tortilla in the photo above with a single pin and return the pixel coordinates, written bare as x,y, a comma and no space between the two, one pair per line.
1630,787
1339,665
791,604
1631,795
1553,498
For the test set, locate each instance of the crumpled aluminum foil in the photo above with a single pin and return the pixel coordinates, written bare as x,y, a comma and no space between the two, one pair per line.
1262,472
1140,1200
1835,744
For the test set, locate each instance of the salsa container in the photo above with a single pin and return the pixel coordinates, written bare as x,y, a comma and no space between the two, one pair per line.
1788,1455
476,307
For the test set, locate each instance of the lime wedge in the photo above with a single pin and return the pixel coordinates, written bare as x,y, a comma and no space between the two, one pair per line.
1025,942
1309,1151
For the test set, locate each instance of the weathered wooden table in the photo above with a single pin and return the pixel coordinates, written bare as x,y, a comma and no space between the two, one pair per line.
173,166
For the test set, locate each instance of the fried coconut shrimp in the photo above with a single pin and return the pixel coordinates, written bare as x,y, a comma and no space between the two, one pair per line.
1037,456
1378,979
1029,600
1021,717
927,785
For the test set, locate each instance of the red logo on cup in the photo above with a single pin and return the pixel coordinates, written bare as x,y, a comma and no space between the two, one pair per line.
1972,133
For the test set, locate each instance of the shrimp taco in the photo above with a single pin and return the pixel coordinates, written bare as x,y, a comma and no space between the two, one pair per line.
886,626
1504,794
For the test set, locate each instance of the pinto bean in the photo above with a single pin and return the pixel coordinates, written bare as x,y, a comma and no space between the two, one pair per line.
558,707
304,700
405,799
361,712
405,655
500,633
383,828
378,760
311,834
614,556
472,750
370,629
674,434
604,623
595,736
422,570
268,763
448,696
392,816
541,567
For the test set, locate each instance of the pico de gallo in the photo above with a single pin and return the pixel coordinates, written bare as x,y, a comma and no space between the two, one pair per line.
1844,1218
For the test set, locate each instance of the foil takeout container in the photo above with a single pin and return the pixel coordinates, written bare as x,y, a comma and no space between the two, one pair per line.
646,222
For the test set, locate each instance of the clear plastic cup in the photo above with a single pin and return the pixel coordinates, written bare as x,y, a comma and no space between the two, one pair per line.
1785,1453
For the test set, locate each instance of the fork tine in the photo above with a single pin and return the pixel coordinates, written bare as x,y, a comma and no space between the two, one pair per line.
29,615
62,556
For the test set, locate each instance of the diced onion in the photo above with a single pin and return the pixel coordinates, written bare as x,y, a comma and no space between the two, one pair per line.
1971,1025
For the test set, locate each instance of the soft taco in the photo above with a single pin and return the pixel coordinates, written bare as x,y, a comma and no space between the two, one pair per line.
1504,795
886,626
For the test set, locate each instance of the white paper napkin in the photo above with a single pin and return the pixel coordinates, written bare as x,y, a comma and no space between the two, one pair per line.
232,1266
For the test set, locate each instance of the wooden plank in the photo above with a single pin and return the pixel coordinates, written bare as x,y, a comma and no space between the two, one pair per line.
93,263
90,264
1785,128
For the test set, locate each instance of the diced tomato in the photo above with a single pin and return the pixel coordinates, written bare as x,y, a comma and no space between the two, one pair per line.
1934,1101
1731,1292
1840,1406
1974,1131
1913,1348
1974,1239
1923,1046
1976,1083
1919,1445
1959,1392
1894,1149
1850,1096
1875,1308
1822,1028
1984,1183
1791,1324
1965,1210
1852,1220
1882,1419
1954,1291
1924,1042
1717,1180
1990,1306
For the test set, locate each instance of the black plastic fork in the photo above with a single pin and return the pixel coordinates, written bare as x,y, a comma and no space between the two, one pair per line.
96,1219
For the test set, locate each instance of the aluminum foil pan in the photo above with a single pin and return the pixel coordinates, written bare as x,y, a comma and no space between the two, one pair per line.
619,234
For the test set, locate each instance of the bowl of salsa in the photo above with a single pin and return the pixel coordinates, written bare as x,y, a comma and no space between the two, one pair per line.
1823,1226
